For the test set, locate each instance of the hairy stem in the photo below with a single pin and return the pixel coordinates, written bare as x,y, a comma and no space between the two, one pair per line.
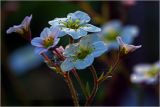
52,64
72,89
80,82
95,88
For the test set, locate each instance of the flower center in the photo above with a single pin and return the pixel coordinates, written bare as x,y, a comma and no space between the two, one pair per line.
111,36
153,72
48,42
73,24
83,52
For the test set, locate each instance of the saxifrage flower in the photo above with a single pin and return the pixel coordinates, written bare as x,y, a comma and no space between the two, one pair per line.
76,25
48,39
125,48
146,73
113,29
22,28
81,55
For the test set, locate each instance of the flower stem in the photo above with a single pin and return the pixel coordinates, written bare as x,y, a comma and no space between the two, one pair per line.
111,69
30,34
95,88
80,82
67,79
51,63
72,89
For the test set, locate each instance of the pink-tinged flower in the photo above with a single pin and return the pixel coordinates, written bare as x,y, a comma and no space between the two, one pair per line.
23,28
48,39
125,48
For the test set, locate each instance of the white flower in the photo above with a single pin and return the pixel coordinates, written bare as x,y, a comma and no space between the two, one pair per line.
146,73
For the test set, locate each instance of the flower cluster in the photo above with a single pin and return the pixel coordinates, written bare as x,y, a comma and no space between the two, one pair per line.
80,54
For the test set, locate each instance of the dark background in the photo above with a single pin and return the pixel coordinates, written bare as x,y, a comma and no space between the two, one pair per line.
38,85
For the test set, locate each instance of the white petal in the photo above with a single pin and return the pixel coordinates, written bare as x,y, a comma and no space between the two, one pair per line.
84,17
37,41
70,50
114,25
76,34
56,21
82,64
90,28
39,50
89,39
67,65
99,48
129,33
45,33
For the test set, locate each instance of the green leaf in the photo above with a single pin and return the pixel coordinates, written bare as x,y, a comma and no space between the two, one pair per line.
87,89
101,76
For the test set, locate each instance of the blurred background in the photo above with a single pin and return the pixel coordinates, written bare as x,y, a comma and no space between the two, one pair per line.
27,81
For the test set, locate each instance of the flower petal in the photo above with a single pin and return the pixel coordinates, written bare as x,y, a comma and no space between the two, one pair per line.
45,33
16,28
37,42
129,33
112,26
120,41
67,65
76,34
82,64
99,48
70,50
82,16
137,78
141,68
26,21
89,39
91,28
60,33
39,50
132,48
112,45
56,21
55,31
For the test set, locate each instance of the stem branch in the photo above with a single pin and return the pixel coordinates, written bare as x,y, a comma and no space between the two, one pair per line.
80,82
95,88
72,89
111,70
